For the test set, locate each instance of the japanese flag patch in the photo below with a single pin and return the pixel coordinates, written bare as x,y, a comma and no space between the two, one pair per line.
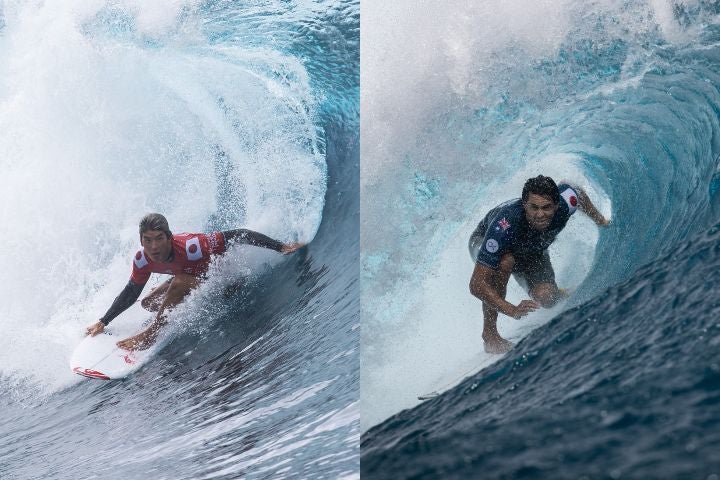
140,260
193,250
571,199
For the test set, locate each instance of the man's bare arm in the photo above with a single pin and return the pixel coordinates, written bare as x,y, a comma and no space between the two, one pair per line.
250,237
586,206
481,288
122,302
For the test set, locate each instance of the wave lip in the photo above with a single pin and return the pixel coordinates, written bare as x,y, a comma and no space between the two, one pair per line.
624,386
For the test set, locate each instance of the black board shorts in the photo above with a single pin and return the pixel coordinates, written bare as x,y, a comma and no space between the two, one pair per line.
533,269
530,269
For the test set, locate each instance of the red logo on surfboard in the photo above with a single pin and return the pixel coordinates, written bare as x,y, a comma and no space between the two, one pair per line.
86,372
128,359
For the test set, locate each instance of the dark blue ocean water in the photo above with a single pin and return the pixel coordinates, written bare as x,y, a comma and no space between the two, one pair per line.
625,382
264,102
624,386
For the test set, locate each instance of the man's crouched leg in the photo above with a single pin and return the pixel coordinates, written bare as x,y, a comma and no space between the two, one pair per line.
494,343
154,299
180,286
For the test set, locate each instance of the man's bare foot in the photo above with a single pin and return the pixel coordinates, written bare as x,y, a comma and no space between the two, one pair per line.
136,342
497,345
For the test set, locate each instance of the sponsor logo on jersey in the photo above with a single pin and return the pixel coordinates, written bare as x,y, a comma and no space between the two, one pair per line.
504,224
492,245
140,260
193,250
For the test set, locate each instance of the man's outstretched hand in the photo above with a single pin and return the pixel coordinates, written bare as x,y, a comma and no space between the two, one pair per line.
289,248
604,222
523,308
95,329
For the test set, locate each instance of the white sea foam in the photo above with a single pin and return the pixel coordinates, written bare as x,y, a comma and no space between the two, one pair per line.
458,108
437,340
109,111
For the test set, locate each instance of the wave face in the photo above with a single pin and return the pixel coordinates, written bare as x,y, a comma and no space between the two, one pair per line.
624,386
621,97
220,115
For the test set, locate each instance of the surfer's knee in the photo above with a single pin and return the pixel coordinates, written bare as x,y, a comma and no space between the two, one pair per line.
149,303
546,294
182,284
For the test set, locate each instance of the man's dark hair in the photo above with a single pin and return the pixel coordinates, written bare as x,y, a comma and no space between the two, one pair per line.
541,185
154,221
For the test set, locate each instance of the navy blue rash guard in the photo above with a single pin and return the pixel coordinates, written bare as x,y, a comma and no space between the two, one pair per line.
505,229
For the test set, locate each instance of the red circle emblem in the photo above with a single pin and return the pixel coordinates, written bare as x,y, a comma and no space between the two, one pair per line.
138,256
192,248
573,201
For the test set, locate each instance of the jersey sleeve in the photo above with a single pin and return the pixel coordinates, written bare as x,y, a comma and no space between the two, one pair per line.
249,237
122,302
568,199
216,243
140,270
495,243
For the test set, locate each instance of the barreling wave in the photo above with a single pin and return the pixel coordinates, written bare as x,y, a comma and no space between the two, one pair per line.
620,97
220,115
624,386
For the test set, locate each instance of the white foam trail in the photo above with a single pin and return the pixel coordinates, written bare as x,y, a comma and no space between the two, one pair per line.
100,125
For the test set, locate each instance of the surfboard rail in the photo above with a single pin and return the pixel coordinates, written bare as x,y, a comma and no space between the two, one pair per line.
86,372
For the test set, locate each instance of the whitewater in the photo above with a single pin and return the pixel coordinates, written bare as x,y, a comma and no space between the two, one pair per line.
621,98
219,115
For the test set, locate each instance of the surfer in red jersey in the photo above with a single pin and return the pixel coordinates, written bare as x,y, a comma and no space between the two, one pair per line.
187,257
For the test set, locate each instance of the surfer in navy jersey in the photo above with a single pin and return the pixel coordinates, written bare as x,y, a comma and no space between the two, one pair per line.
187,257
513,239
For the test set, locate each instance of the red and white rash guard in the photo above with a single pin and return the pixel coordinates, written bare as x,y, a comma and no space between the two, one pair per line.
191,254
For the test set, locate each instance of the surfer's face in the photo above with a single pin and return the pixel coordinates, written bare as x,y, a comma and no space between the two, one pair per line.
157,245
539,211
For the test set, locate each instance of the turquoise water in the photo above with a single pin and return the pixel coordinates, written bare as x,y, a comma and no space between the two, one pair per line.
619,97
220,115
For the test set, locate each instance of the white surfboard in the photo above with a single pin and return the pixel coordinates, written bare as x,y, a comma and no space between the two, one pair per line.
455,377
99,357
447,385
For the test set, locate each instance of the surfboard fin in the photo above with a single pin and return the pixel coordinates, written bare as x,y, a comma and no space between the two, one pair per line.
428,396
